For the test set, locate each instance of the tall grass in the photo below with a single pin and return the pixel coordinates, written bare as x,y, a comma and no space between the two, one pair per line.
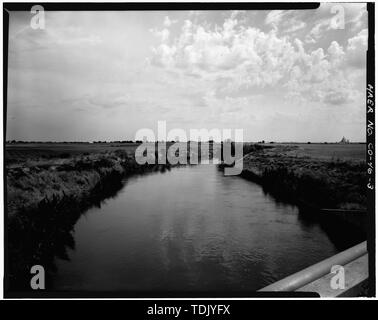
44,201
310,181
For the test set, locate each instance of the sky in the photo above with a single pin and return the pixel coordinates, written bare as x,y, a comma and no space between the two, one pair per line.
295,75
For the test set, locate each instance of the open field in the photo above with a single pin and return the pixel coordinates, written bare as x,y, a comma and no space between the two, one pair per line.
15,153
334,151
28,151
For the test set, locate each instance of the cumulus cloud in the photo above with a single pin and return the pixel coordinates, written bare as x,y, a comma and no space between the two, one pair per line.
325,77
335,51
205,68
247,56
168,22
236,57
356,49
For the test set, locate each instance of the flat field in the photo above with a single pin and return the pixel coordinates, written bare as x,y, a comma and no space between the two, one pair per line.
18,153
33,151
328,151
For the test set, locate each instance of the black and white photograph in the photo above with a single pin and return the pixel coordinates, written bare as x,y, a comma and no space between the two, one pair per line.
189,150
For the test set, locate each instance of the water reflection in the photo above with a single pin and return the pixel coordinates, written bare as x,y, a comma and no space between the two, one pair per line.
41,235
192,229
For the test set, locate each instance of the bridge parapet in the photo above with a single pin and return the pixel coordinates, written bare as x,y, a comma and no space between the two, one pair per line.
317,278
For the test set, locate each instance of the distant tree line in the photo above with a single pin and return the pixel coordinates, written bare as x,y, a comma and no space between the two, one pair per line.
70,142
30,142
140,141
118,141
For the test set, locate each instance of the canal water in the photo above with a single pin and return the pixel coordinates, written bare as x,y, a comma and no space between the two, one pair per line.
189,229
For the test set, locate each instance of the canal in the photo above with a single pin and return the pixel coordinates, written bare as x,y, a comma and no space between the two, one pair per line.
189,229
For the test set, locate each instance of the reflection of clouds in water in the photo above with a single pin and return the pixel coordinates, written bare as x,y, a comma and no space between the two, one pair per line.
194,229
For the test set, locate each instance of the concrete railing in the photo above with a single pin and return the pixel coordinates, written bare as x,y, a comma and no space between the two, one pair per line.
303,279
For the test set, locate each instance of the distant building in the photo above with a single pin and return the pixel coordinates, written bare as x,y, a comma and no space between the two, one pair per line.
344,141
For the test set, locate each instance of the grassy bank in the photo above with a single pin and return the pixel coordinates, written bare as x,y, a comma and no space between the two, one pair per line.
292,176
45,198
76,178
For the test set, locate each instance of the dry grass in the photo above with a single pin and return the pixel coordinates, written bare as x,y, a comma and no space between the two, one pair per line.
319,182
32,181
20,153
